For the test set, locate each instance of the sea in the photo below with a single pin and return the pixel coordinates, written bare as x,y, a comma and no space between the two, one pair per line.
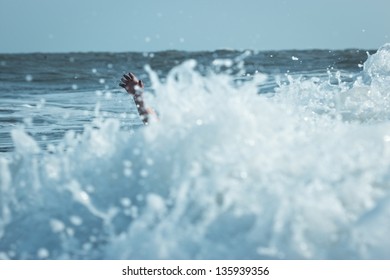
254,155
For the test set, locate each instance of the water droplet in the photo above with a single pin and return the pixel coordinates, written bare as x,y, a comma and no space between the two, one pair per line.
29,78
43,253
149,161
84,196
70,231
144,173
76,220
126,202
56,225
156,203
108,95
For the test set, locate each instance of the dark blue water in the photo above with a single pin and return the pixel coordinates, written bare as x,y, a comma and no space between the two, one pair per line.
67,84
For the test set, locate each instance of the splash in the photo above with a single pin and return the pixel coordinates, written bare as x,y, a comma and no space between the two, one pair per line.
368,100
301,173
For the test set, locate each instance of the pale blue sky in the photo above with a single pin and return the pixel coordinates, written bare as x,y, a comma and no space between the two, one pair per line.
152,25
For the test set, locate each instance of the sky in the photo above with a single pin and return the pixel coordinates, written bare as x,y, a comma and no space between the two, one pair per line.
192,25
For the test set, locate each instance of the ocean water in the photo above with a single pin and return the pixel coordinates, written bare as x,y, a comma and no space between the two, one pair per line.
256,155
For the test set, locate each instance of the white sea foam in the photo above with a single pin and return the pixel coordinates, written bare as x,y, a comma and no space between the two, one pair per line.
224,173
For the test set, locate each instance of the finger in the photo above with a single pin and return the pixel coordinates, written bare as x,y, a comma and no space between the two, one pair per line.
131,75
122,85
123,80
127,77
141,83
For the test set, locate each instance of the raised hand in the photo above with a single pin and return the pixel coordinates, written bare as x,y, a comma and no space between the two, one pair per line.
131,84
135,88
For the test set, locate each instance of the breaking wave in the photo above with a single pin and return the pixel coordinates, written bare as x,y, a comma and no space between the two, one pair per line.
225,173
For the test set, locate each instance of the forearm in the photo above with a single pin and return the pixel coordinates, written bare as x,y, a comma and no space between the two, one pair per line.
142,110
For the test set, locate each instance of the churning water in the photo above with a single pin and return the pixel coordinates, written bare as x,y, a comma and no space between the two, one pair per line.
256,155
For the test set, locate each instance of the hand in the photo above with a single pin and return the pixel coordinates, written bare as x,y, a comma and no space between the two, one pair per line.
131,84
